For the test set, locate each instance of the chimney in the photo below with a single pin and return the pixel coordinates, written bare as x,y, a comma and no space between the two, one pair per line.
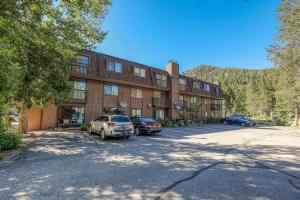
173,71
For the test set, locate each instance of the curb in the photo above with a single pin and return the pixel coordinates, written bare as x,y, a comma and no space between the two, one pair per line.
10,155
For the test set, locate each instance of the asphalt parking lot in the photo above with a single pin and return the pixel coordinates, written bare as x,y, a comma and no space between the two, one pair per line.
207,162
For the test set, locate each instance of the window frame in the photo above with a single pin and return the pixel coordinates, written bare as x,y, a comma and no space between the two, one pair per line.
161,79
198,85
135,110
137,71
157,92
194,100
112,90
78,93
163,111
182,81
111,66
206,87
136,93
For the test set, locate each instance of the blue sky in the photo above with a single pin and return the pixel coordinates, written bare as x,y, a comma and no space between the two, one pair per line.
217,32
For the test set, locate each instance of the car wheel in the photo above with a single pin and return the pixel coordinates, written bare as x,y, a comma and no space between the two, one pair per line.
225,123
102,135
137,131
127,136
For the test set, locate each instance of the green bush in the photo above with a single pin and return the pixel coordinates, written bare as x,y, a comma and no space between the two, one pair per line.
277,121
84,127
9,140
213,120
180,122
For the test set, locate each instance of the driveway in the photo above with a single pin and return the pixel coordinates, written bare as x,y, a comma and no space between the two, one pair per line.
207,162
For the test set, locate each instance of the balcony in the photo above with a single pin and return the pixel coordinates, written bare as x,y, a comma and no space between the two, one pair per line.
183,104
79,69
160,102
182,87
78,95
216,107
161,83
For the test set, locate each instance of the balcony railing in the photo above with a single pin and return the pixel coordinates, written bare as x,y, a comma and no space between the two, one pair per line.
161,83
182,87
183,104
79,69
216,107
78,94
160,102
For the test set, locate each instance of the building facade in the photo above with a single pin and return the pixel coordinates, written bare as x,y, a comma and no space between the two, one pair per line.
101,81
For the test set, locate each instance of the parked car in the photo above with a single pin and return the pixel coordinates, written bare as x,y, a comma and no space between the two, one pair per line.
242,116
145,125
236,120
108,125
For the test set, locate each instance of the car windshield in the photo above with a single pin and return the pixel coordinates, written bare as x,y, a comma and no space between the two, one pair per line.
120,119
147,120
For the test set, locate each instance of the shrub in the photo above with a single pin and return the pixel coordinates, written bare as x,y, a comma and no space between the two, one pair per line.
280,121
84,127
180,122
9,140
213,120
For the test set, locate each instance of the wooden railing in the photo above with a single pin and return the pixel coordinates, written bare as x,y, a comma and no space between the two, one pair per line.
79,69
78,95
160,102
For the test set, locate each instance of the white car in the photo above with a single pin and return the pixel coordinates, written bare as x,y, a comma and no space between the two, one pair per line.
112,126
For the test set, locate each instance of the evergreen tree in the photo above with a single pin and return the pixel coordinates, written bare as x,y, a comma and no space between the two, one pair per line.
286,56
43,38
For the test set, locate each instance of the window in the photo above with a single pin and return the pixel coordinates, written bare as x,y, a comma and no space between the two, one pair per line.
136,112
161,80
82,59
79,90
139,72
206,87
196,84
147,120
218,91
79,85
80,65
180,97
102,118
72,115
182,81
111,89
182,84
157,94
136,93
114,66
193,100
120,119
159,114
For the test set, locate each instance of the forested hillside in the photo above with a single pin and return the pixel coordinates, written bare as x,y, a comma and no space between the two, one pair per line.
268,92
247,91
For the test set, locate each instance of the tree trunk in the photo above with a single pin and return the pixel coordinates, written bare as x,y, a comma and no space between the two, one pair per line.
296,115
41,118
23,126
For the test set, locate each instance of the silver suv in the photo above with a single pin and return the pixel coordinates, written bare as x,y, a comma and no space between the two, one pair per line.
112,126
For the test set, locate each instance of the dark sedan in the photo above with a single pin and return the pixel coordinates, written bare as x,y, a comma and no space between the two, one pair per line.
146,125
235,120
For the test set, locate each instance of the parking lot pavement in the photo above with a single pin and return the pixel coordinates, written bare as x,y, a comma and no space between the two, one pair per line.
207,162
